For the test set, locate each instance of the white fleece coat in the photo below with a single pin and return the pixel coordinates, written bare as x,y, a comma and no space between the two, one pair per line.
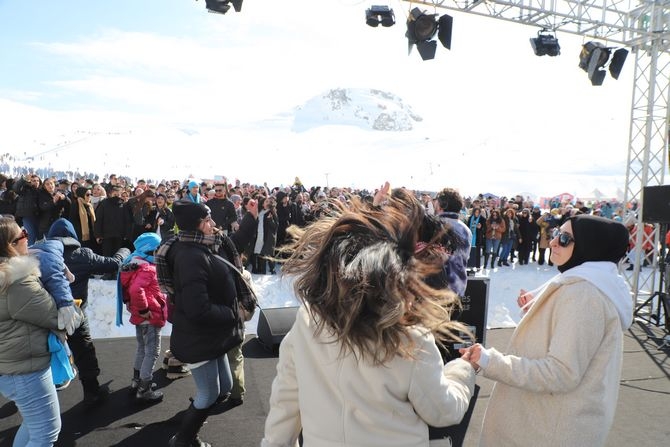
341,401
558,383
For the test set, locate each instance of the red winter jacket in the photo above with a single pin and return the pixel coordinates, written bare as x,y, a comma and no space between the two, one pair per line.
141,292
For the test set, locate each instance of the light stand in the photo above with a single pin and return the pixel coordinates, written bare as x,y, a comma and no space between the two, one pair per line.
661,294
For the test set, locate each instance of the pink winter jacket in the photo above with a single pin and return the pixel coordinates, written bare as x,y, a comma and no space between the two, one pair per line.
141,292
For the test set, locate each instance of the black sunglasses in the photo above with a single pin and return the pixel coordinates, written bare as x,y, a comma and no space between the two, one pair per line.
564,239
24,234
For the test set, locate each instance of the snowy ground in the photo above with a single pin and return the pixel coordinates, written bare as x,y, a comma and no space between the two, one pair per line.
276,291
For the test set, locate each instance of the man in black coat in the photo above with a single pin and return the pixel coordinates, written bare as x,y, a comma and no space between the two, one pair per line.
110,222
83,263
223,210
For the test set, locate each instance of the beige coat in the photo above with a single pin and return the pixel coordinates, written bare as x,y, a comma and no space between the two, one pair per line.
341,401
27,313
558,385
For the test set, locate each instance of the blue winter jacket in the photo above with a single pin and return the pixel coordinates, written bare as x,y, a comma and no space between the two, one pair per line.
52,271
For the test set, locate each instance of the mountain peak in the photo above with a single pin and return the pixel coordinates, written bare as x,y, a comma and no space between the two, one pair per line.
368,109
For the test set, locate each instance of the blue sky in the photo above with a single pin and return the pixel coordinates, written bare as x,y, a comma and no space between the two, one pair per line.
70,65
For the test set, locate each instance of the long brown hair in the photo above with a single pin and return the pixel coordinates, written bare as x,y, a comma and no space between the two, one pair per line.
8,229
357,271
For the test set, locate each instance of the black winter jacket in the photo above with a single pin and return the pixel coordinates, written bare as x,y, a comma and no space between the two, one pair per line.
26,205
82,261
202,319
110,218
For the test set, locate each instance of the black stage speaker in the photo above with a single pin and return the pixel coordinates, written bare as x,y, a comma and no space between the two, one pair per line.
656,204
474,312
274,324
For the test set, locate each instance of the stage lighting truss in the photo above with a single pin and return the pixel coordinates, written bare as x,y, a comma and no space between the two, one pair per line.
222,6
594,56
421,29
545,44
377,14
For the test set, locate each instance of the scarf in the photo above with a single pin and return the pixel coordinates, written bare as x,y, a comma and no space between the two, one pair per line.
218,243
605,277
473,229
85,209
260,237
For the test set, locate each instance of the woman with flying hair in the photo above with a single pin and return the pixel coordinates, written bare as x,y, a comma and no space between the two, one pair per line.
360,366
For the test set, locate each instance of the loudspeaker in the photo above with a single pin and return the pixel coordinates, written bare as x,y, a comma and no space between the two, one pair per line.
474,313
274,324
656,204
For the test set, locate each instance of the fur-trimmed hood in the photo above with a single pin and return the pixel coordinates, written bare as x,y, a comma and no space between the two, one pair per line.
17,267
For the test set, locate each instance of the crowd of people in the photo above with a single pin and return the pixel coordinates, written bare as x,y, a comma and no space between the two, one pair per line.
378,274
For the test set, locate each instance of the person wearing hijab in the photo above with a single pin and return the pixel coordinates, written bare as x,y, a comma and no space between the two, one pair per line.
558,384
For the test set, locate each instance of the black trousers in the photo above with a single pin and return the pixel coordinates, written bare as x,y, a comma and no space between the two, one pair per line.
83,352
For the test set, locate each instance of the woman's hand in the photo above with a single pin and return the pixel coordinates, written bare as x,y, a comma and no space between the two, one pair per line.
382,194
524,299
472,355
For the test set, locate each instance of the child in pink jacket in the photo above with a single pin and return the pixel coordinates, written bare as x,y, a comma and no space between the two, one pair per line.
148,312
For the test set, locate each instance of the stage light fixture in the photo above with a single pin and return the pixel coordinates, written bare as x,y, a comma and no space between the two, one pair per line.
616,64
421,29
594,56
377,14
223,6
545,44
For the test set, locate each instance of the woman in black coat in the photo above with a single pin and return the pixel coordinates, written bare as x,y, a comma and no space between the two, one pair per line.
526,235
203,319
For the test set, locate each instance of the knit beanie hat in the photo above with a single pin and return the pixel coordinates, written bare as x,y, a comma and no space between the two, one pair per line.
189,214
192,184
596,239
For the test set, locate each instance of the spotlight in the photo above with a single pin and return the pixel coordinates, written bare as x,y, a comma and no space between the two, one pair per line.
377,14
593,58
545,44
223,6
616,64
422,27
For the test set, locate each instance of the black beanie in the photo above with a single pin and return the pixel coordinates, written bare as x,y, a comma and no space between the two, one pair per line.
596,239
189,214
81,191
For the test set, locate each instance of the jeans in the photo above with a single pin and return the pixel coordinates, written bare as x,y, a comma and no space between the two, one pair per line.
35,397
506,249
211,379
492,247
31,224
148,349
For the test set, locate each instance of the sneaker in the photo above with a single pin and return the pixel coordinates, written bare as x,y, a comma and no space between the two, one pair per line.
62,386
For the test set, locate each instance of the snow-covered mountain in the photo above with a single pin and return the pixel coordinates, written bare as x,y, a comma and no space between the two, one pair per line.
364,108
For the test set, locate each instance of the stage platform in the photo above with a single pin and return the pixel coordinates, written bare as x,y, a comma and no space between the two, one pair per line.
641,417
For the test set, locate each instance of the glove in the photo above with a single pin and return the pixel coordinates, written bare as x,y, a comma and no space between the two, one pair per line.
69,318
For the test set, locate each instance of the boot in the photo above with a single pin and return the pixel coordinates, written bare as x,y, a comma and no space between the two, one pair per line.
493,261
174,368
135,381
94,394
187,435
486,260
500,263
146,392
